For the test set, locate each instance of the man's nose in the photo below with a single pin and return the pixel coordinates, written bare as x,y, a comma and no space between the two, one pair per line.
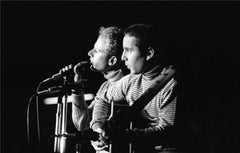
123,57
90,53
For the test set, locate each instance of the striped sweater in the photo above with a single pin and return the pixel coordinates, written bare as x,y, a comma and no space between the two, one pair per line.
160,110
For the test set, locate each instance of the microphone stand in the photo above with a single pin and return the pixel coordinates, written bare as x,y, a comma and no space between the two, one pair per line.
61,121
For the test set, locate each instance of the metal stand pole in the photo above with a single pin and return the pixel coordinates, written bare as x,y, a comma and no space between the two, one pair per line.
58,125
110,118
60,140
63,137
130,144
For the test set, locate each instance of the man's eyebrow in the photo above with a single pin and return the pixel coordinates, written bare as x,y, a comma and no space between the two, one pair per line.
100,50
128,48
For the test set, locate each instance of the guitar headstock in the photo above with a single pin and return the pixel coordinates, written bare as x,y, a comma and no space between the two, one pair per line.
168,71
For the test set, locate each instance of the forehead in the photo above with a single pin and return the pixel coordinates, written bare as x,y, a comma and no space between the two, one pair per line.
129,41
101,43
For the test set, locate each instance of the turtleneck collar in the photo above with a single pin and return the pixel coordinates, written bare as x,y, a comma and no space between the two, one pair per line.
114,75
155,71
152,73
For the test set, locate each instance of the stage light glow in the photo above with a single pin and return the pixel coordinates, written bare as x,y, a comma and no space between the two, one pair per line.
53,100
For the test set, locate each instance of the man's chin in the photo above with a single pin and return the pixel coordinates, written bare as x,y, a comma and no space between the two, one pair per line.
93,69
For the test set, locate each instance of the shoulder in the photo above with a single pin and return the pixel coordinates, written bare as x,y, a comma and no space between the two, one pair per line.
170,86
103,86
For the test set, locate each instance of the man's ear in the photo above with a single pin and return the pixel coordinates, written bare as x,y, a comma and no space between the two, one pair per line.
150,53
112,60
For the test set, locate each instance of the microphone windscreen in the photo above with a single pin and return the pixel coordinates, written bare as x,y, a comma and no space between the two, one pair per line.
79,67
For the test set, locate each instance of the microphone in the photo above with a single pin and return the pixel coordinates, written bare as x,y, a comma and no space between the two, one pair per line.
78,68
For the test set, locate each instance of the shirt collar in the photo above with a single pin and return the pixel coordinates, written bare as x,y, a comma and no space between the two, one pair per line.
154,72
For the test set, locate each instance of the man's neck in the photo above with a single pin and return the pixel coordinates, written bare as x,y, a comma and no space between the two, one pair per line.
149,66
113,75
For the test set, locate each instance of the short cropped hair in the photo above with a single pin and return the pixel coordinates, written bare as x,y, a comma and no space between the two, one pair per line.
147,34
114,35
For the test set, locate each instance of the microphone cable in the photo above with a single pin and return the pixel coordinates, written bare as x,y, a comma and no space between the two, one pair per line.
28,109
37,112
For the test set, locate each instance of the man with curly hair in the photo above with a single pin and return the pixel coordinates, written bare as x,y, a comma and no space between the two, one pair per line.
105,58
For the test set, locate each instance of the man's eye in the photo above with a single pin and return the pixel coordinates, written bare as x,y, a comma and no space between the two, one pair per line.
128,50
95,50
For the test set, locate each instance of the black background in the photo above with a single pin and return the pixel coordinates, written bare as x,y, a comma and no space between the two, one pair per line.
39,38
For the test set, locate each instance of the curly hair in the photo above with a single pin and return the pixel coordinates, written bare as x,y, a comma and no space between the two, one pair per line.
114,37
